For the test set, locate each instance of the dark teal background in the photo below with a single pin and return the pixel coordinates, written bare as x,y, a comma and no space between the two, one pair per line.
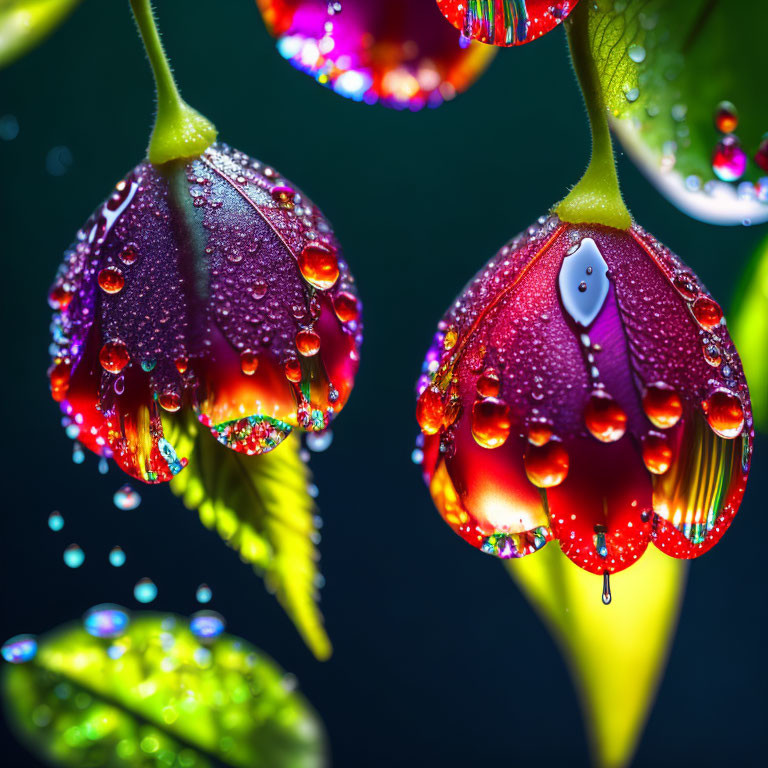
438,660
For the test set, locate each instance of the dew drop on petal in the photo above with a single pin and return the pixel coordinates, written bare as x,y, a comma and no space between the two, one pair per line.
249,362
319,441
491,422
707,312
114,356
547,465
128,255
604,417
111,280
430,410
725,413
145,590
20,649
319,266
126,498
308,343
662,405
489,384
657,453
346,307
74,556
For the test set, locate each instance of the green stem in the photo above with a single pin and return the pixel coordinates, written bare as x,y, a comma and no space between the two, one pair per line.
180,131
596,199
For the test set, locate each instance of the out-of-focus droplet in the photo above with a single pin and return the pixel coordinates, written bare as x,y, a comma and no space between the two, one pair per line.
729,160
145,590
111,280
114,356
58,160
725,413
74,556
20,649
707,312
78,455
203,594
55,521
636,53
116,557
126,498
657,453
726,117
319,441
604,417
547,465
106,620
490,422
206,625
761,156
662,405
9,127
103,465
319,266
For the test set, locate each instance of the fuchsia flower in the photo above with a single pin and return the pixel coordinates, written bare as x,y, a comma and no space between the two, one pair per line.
211,284
505,22
583,387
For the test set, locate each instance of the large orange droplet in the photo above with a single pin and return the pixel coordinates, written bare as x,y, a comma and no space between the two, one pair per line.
319,266
249,362
724,413
707,312
308,343
114,356
547,465
430,410
657,453
540,431
170,401
490,422
293,370
59,297
345,306
662,405
111,280
604,417
59,376
489,383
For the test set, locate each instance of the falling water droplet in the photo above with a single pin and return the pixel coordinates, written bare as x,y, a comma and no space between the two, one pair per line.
126,498
55,521
145,590
78,455
726,117
319,441
106,620
20,649
74,556
606,588
206,625
203,594
103,465
116,557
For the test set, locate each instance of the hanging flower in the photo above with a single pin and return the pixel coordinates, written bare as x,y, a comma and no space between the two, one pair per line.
584,388
211,284
396,52
505,22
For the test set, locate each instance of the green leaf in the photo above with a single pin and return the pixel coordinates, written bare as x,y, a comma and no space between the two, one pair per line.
665,66
615,652
748,324
25,23
156,696
259,505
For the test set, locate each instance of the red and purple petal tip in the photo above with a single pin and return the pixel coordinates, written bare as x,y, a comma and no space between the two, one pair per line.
584,388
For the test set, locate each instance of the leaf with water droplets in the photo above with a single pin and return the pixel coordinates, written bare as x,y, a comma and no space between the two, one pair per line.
749,327
156,695
25,23
259,505
679,83
616,652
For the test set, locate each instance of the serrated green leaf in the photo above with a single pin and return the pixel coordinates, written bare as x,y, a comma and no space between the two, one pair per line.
748,324
156,696
25,23
665,66
615,652
259,505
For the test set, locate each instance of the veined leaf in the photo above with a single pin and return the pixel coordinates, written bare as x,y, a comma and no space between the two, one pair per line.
25,23
748,323
665,67
616,652
259,505
156,696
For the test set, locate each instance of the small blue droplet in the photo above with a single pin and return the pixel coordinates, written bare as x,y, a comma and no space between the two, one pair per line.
78,456
145,590
19,649
74,556
106,620
116,557
103,465
319,441
55,521
126,498
207,625
204,594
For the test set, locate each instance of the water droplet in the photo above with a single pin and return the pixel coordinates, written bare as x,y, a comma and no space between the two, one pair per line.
686,286
148,365
489,383
114,356
662,405
632,94
319,441
20,649
308,343
106,620
430,410
58,160
636,53
74,556
729,160
293,370
490,422
539,432
657,453
203,594
450,339
145,590
346,307
169,401
128,255
249,362
583,304
726,117
606,588
707,312
761,156
206,625
547,465
604,417
259,290
55,521
111,280
319,266
78,455
126,498
103,465
9,127
116,557
724,413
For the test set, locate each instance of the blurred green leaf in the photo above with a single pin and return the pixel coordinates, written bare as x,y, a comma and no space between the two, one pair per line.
156,696
616,653
259,505
25,23
665,66
748,324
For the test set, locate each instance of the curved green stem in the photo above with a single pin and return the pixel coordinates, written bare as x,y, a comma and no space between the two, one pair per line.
596,199
179,131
